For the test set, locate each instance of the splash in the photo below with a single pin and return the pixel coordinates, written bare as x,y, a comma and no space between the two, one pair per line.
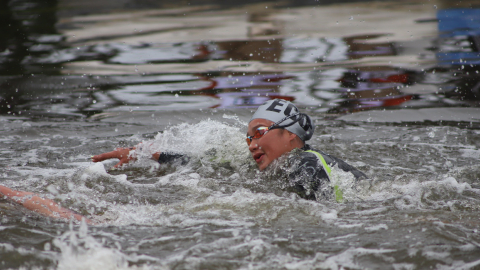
81,251
208,141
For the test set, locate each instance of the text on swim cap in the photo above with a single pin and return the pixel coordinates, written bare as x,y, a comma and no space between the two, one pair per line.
278,102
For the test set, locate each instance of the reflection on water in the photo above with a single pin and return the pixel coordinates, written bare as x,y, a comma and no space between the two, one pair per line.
338,86
243,90
27,30
360,47
372,87
329,90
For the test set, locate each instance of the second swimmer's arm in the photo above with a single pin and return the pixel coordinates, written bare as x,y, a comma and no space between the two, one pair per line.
40,205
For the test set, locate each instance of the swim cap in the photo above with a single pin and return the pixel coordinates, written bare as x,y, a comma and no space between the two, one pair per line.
285,115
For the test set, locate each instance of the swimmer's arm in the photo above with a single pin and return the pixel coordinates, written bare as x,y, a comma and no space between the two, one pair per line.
40,205
123,154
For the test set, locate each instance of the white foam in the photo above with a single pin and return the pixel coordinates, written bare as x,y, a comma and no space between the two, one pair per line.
208,140
81,251
404,266
345,181
470,153
348,226
376,227
340,238
411,194
350,258
98,169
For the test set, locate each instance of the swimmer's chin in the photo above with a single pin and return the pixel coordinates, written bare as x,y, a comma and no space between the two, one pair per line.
279,163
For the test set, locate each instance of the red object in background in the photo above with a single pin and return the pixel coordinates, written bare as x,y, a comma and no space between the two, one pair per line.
400,78
396,101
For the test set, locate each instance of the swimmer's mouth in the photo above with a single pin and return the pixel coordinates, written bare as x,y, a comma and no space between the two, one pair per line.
258,157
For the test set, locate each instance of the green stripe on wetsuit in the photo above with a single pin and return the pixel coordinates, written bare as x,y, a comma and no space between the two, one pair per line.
338,191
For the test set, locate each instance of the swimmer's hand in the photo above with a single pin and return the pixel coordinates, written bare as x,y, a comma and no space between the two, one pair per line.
40,205
123,154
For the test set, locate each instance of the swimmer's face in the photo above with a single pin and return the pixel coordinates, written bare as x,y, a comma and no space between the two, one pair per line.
271,145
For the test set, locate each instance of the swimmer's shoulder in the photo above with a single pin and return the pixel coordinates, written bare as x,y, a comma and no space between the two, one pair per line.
332,161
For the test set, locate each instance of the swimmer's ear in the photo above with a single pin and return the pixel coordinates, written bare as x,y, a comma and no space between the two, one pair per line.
291,136
294,139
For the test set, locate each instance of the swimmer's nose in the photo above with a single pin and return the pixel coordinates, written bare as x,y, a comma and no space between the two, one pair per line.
253,146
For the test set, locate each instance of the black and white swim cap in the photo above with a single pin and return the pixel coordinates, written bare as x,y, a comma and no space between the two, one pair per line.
286,115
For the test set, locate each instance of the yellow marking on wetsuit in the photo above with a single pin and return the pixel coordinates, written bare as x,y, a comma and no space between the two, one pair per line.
324,163
337,190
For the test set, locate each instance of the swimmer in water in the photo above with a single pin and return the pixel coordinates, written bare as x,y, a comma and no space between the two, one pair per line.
276,128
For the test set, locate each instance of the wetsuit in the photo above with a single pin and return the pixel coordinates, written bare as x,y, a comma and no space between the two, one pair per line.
308,172
172,157
309,175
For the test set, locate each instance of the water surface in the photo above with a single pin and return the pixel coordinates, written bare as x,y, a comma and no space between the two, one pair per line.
393,88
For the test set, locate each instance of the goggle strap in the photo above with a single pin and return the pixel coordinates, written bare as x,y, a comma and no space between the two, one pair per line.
277,124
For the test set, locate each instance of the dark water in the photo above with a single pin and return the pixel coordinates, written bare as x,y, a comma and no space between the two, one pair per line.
393,87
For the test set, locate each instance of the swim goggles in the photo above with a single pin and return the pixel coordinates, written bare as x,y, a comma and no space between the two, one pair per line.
259,132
